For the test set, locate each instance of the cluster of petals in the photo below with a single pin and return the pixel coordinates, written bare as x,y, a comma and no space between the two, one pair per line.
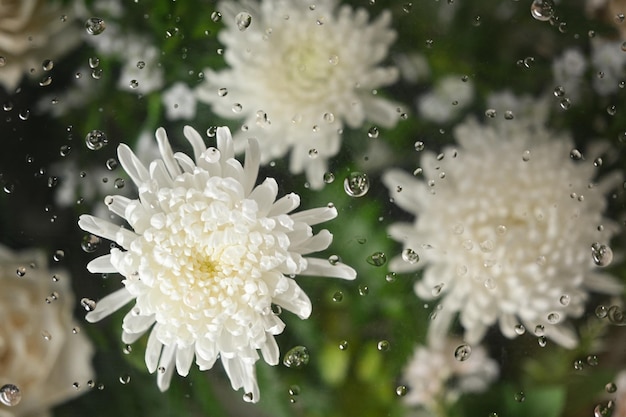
209,255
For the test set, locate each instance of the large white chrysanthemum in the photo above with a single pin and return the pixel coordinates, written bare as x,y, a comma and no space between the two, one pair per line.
504,228
297,74
208,255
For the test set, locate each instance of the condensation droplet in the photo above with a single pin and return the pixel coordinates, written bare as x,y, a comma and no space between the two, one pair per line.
610,387
520,397
462,352
10,395
526,155
216,16
90,243
95,140
58,255
601,311
419,146
356,184
243,20
338,296
363,290
604,410
410,256
575,154
390,277
616,316
21,271
373,132
334,259
520,329
119,183
602,254
124,379
377,259
401,390
542,10
88,304
343,345
329,177
296,357
383,345
95,26
491,113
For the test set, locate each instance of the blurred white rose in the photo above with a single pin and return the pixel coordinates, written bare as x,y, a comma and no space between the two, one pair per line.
32,31
42,350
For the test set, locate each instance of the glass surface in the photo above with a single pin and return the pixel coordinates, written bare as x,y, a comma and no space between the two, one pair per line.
312,208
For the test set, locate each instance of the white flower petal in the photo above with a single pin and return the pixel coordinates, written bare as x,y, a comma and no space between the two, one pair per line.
153,352
184,359
132,165
166,365
109,305
101,265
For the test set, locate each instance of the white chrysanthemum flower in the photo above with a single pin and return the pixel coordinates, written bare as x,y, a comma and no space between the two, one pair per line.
208,255
504,228
435,375
608,60
568,71
297,74
450,95
179,102
141,72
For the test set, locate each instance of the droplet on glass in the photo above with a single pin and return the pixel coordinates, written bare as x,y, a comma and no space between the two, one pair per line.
603,410
10,395
401,390
610,387
491,113
377,259
216,16
616,316
243,20
337,296
373,132
329,177
356,184
95,26
602,254
21,271
90,243
296,357
363,290
575,154
383,345
343,345
334,259
88,304
390,277
520,397
58,255
462,352
526,155
95,140
542,10
410,256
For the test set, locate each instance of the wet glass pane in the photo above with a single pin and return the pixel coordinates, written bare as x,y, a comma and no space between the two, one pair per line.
312,208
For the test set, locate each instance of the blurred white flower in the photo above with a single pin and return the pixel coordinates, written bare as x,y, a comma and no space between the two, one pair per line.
32,31
297,74
437,375
529,112
568,71
42,351
451,94
607,59
503,230
413,67
179,101
141,72
619,395
208,255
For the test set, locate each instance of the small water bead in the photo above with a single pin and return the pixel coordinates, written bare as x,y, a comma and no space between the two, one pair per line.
294,390
610,387
601,311
88,304
222,92
338,296
611,110
334,259
542,341
10,395
124,379
419,146
94,62
357,184
526,155
564,300
46,335
363,290
24,114
508,115
410,256
520,329
575,154
95,26
58,255
602,255
559,91
313,153
119,183
216,16
243,20
542,10
592,360
462,352
619,18
343,345
540,330
437,289
604,410
296,357
616,316
276,309
377,259
383,345
329,177
390,277
373,132
401,390
75,330
90,243
96,140
21,271
491,113
3,61
133,84
46,81
65,150
520,397
597,162
565,103
553,318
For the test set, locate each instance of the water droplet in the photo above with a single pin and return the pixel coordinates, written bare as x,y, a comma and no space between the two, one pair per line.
343,345
592,360
526,155
338,296
491,113
390,277
328,117
373,132
296,357
46,81
119,183
540,330
601,312
508,115
216,16
3,61
58,255
10,395
46,335
564,300
553,318
616,316
383,345
95,140
565,103
243,20
75,330
377,259
611,110
604,410
90,243
133,84
401,390
602,254
313,153
124,379
542,10
542,341
237,108
95,26
610,387
462,352
334,259
520,397
21,271
88,304
294,390
410,256
559,91
222,92
356,184
94,62
520,329
575,154
329,177
363,290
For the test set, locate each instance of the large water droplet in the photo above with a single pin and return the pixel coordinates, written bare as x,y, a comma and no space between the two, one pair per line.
296,357
10,395
410,256
462,352
90,243
95,140
542,10
602,254
243,20
95,26
356,184
604,410
616,316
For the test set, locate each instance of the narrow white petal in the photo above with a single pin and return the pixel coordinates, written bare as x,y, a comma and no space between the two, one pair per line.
315,215
225,143
159,173
117,204
251,165
134,323
285,204
166,152
168,363
264,195
319,242
109,305
98,226
185,162
184,359
101,265
153,351
323,268
294,300
270,350
195,140
132,165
